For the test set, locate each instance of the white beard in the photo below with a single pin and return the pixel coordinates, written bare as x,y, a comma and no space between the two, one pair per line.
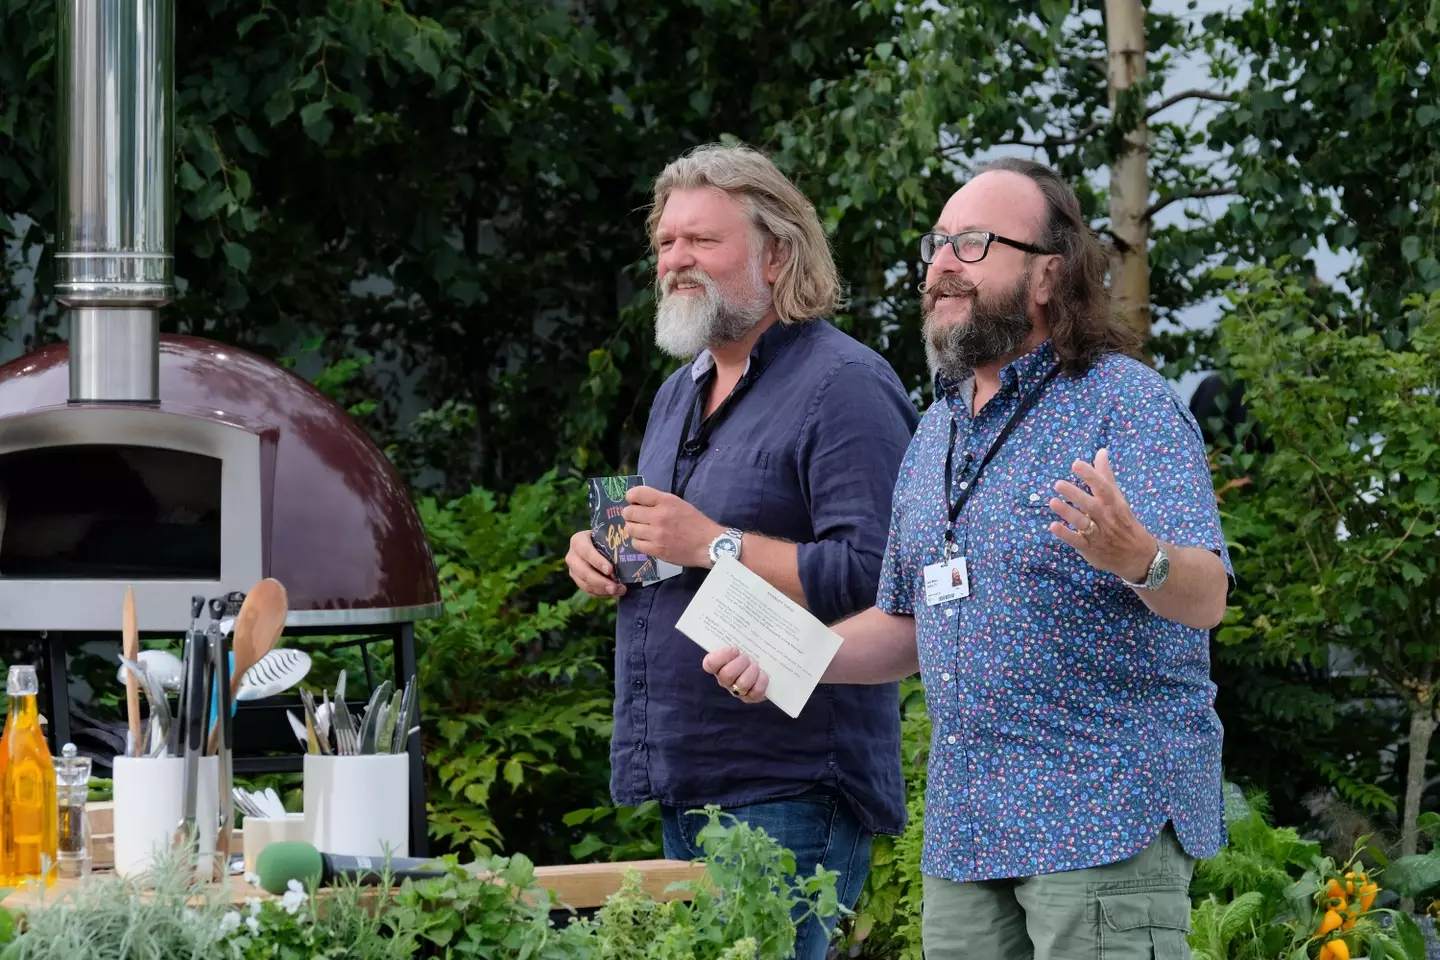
686,324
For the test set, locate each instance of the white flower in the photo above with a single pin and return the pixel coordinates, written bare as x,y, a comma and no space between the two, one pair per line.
254,904
253,924
294,897
229,923
253,879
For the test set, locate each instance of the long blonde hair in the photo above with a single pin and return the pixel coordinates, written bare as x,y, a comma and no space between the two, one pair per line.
809,285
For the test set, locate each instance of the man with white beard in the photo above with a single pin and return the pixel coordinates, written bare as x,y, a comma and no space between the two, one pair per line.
777,443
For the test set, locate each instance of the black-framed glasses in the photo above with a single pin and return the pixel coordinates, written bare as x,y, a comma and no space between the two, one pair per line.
971,246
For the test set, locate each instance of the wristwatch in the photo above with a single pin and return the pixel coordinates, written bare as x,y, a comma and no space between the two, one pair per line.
1158,572
725,545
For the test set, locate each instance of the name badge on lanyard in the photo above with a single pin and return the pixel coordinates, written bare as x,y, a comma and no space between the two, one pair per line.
946,581
949,579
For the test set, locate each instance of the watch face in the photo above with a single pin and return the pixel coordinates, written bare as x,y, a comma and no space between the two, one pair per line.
1159,571
726,547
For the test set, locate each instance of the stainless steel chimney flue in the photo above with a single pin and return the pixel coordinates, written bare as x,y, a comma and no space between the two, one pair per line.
114,261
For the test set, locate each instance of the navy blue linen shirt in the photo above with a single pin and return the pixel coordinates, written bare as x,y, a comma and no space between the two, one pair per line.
808,454
1070,721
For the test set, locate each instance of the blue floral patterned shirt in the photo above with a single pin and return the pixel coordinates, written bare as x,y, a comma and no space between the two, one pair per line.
1070,721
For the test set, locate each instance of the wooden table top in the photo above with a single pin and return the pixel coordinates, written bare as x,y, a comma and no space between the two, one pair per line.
581,886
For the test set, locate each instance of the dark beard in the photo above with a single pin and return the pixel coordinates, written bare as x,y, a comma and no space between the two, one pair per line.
997,327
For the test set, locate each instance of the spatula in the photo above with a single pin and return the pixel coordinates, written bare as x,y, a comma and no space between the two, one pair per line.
257,629
130,642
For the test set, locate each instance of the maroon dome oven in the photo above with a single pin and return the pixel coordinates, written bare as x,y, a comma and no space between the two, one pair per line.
177,465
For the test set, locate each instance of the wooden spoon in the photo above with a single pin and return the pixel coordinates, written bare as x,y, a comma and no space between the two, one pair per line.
130,642
258,626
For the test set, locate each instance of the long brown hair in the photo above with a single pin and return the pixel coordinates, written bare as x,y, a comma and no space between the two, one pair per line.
1084,325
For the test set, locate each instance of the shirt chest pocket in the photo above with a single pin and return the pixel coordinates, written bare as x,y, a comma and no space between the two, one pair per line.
1039,555
729,486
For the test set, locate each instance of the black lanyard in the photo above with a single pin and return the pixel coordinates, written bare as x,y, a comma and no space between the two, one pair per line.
968,487
694,448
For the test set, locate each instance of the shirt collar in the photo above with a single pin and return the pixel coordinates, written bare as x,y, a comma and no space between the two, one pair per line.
1017,376
771,342
704,362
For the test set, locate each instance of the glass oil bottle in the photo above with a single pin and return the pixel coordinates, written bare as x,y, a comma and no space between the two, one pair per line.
30,802
7,845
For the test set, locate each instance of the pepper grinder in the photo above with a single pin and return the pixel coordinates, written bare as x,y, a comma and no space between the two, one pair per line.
72,795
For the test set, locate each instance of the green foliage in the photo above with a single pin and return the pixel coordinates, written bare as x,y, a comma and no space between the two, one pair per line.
1337,140
1418,876
342,926
447,199
467,914
881,149
452,188
1214,925
108,918
1279,916
1335,532
514,675
887,914
748,905
1259,859
492,908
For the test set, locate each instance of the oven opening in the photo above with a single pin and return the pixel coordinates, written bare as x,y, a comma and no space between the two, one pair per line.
109,512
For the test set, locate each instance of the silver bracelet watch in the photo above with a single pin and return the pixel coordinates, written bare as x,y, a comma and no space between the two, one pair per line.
726,545
1157,574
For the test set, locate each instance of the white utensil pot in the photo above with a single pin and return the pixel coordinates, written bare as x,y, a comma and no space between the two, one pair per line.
358,806
149,794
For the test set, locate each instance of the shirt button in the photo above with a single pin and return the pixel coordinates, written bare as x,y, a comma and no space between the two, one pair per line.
964,484
1034,497
640,745
640,624
639,684
950,740
944,676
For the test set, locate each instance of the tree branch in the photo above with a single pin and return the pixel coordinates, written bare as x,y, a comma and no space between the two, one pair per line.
1045,144
1115,240
1069,141
1095,66
1087,132
1188,95
1164,202
1399,543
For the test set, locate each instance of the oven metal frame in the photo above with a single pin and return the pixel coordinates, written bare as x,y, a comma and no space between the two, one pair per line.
246,452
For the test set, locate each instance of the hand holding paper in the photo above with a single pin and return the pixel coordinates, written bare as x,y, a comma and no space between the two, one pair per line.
736,607
736,672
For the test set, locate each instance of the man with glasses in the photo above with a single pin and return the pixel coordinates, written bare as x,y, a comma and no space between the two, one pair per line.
777,443
1055,563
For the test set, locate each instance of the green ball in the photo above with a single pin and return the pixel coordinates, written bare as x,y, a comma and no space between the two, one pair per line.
287,860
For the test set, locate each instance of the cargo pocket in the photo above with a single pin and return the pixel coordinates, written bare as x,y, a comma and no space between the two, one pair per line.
1145,925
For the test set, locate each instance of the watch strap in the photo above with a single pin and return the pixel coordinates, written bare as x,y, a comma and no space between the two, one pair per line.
1153,578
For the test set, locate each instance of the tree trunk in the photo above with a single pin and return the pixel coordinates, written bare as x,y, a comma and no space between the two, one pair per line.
1129,176
1422,727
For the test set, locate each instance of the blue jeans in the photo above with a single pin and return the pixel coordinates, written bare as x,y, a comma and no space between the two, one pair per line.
817,826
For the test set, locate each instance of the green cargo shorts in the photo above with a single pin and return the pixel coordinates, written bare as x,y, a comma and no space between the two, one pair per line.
1136,909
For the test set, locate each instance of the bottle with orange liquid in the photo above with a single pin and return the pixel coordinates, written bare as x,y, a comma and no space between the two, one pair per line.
29,814
7,845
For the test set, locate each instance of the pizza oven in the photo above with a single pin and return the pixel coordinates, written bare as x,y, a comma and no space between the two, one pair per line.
174,465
